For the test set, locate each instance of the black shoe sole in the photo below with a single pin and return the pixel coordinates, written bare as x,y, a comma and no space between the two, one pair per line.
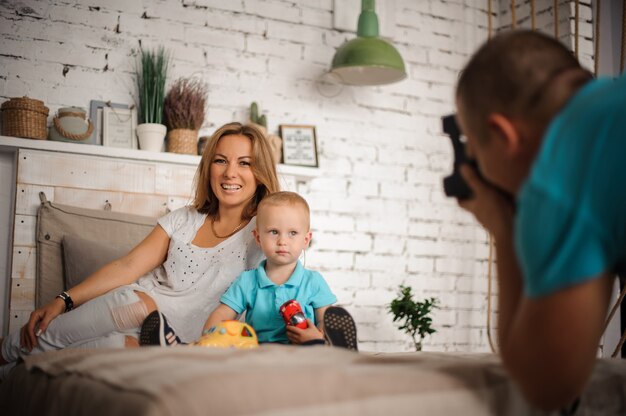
150,329
339,328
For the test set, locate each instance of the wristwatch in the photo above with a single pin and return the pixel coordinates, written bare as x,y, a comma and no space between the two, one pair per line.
69,303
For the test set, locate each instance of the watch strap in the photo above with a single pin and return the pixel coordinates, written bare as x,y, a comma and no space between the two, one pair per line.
69,303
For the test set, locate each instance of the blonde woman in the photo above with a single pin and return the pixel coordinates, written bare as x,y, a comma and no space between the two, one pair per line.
180,269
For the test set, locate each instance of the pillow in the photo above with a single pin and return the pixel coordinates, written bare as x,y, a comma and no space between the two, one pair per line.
82,257
55,221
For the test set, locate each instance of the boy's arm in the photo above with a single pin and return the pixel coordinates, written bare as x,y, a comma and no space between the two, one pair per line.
319,317
221,313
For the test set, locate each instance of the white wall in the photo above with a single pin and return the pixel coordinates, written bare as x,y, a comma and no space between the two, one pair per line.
380,218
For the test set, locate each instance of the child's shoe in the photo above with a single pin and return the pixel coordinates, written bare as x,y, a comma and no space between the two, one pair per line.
339,328
156,331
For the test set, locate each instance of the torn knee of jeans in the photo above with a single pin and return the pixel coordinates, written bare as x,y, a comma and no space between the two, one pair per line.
129,316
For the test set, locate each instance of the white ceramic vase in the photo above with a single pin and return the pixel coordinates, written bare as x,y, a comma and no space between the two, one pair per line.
151,136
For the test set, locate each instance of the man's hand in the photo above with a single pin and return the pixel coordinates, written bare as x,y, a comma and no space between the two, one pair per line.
492,208
39,319
300,336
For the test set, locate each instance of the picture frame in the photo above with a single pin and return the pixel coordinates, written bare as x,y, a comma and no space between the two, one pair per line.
95,115
118,127
299,145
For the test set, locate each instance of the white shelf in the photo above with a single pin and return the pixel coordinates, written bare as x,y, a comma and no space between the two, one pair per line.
300,173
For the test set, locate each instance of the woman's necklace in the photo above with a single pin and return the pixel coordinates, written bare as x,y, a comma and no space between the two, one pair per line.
237,228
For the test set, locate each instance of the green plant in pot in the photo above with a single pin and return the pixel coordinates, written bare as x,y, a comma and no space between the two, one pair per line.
413,316
260,122
151,76
184,114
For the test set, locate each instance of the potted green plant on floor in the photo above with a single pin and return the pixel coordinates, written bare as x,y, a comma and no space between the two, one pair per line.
184,114
151,76
413,316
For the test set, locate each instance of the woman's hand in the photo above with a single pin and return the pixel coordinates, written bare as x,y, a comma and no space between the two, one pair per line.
492,208
38,321
299,336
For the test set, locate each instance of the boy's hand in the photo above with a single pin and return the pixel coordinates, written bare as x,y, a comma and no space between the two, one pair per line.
300,336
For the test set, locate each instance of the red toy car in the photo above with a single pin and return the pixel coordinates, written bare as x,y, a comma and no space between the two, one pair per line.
292,314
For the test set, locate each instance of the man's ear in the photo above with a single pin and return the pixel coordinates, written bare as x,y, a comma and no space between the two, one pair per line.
502,127
257,237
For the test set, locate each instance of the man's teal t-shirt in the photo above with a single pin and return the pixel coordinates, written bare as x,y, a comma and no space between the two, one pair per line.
571,211
255,293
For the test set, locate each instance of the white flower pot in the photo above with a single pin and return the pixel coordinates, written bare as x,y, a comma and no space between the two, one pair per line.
151,136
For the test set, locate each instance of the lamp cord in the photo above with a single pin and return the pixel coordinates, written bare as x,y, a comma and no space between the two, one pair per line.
556,18
489,289
621,66
513,18
596,55
490,260
576,31
489,23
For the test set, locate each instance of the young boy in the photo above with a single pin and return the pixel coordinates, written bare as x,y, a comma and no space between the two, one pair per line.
283,232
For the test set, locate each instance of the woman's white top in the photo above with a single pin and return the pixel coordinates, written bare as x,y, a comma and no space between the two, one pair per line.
188,285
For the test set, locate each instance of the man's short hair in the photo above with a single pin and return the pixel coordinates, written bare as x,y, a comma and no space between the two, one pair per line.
508,75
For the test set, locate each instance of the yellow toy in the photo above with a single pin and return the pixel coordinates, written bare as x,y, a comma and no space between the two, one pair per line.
229,334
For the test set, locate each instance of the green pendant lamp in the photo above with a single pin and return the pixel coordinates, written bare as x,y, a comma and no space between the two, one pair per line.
368,60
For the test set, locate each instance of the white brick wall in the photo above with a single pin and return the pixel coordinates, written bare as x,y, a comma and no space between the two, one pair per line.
379,216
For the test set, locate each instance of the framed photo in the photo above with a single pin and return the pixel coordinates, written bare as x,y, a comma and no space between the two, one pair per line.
118,127
95,115
299,145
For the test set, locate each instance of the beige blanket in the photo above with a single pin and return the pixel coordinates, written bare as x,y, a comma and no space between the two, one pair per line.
282,380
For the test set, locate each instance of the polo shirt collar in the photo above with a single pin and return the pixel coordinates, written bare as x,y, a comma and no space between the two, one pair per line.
294,280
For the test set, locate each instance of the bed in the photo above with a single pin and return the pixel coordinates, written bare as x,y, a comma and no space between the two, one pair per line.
269,380
280,380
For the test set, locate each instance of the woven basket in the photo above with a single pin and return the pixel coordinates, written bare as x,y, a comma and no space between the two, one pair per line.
24,117
182,141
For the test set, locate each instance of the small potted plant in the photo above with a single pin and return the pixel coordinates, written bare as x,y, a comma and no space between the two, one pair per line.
151,76
260,121
414,316
184,114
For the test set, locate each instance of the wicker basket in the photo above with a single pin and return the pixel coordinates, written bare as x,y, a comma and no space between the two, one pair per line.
182,141
24,117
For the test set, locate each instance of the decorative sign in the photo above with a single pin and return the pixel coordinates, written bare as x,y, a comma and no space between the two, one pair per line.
299,145
118,127
95,115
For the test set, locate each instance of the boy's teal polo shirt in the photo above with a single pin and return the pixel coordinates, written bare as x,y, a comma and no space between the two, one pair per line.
571,211
255,293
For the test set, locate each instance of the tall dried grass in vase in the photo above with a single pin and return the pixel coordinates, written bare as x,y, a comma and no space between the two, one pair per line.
184,114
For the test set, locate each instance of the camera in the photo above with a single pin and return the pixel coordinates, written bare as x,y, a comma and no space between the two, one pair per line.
454,185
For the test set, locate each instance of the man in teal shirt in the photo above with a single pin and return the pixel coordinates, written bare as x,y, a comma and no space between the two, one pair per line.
543,130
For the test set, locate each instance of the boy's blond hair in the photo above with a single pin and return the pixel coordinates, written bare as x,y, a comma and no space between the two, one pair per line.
285,198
